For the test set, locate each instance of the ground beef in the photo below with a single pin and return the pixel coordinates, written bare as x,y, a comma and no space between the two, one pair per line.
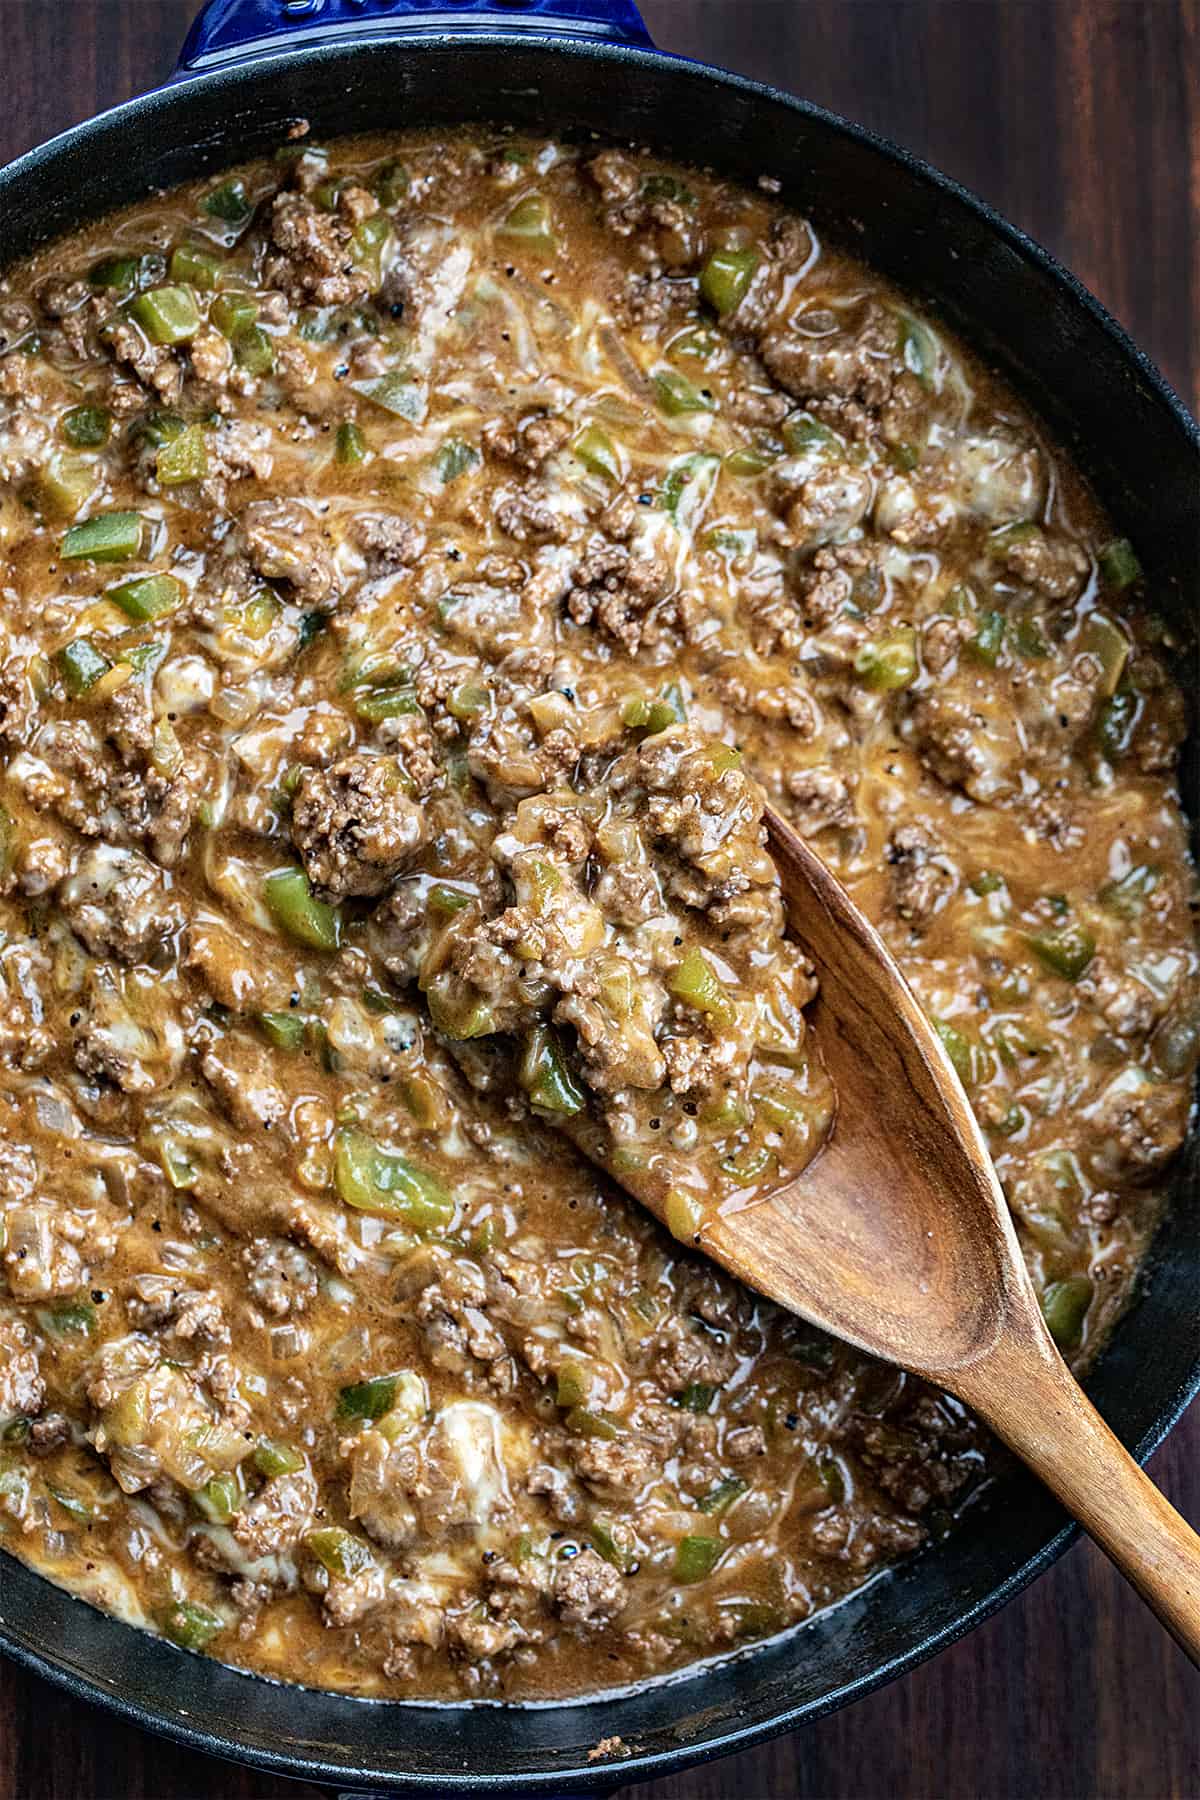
1054,566
280,1276
921,879
158,368
818,798
1136,1125
831,579
355,825
111,1044
528,443
825,505
526,516
1129,1008
615,1468
278,1516
311,255
388,542
160,1303
283,543
615,591
588,1591
819,354
452,1313
119,903
242,1076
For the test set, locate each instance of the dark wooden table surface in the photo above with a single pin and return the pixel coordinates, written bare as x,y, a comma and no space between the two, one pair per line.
1080,119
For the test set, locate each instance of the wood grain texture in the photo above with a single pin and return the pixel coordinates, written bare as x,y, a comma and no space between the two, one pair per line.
1080,119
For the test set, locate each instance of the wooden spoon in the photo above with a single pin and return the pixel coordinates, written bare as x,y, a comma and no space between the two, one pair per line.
897,1238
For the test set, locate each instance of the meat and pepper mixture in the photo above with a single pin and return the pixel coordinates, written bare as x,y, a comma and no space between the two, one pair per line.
412,555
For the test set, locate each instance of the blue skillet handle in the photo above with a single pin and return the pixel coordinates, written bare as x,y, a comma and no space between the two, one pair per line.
229,31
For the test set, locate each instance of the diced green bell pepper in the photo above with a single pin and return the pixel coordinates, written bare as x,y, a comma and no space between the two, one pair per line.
190,266
147,596
571,1385
888,663
283,1029
750,461
339,1551
683,1215
351,445
725,278
86,427
456,458
530,221
1064,1307
66,483
1104,639
373,1180
397,393
367,1399
168,315
81,665
468,701
988,641
957,1048
696,983
253,350
183,458
1066,952
233,312
747,1166
545,1077
654,715
661,186
109,537
220,1499
291,904
370,236
1127,895
619,1551
720,1498
76,1318
802,432
987,882
116,273
190,1625
688,485
393,701
444,901
696,1557
584,1421
390,184
228,203
73,1504
596,451
458,1014
677,395
272,1458
1119,564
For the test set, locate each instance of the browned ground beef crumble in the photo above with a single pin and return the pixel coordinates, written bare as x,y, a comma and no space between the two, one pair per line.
417,560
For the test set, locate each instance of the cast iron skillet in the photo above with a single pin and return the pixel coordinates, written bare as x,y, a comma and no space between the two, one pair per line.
572,66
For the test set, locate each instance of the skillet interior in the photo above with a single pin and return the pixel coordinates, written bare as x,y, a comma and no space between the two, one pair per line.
1114,414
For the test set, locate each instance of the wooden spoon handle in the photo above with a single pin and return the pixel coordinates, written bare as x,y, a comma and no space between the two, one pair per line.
1029,1397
